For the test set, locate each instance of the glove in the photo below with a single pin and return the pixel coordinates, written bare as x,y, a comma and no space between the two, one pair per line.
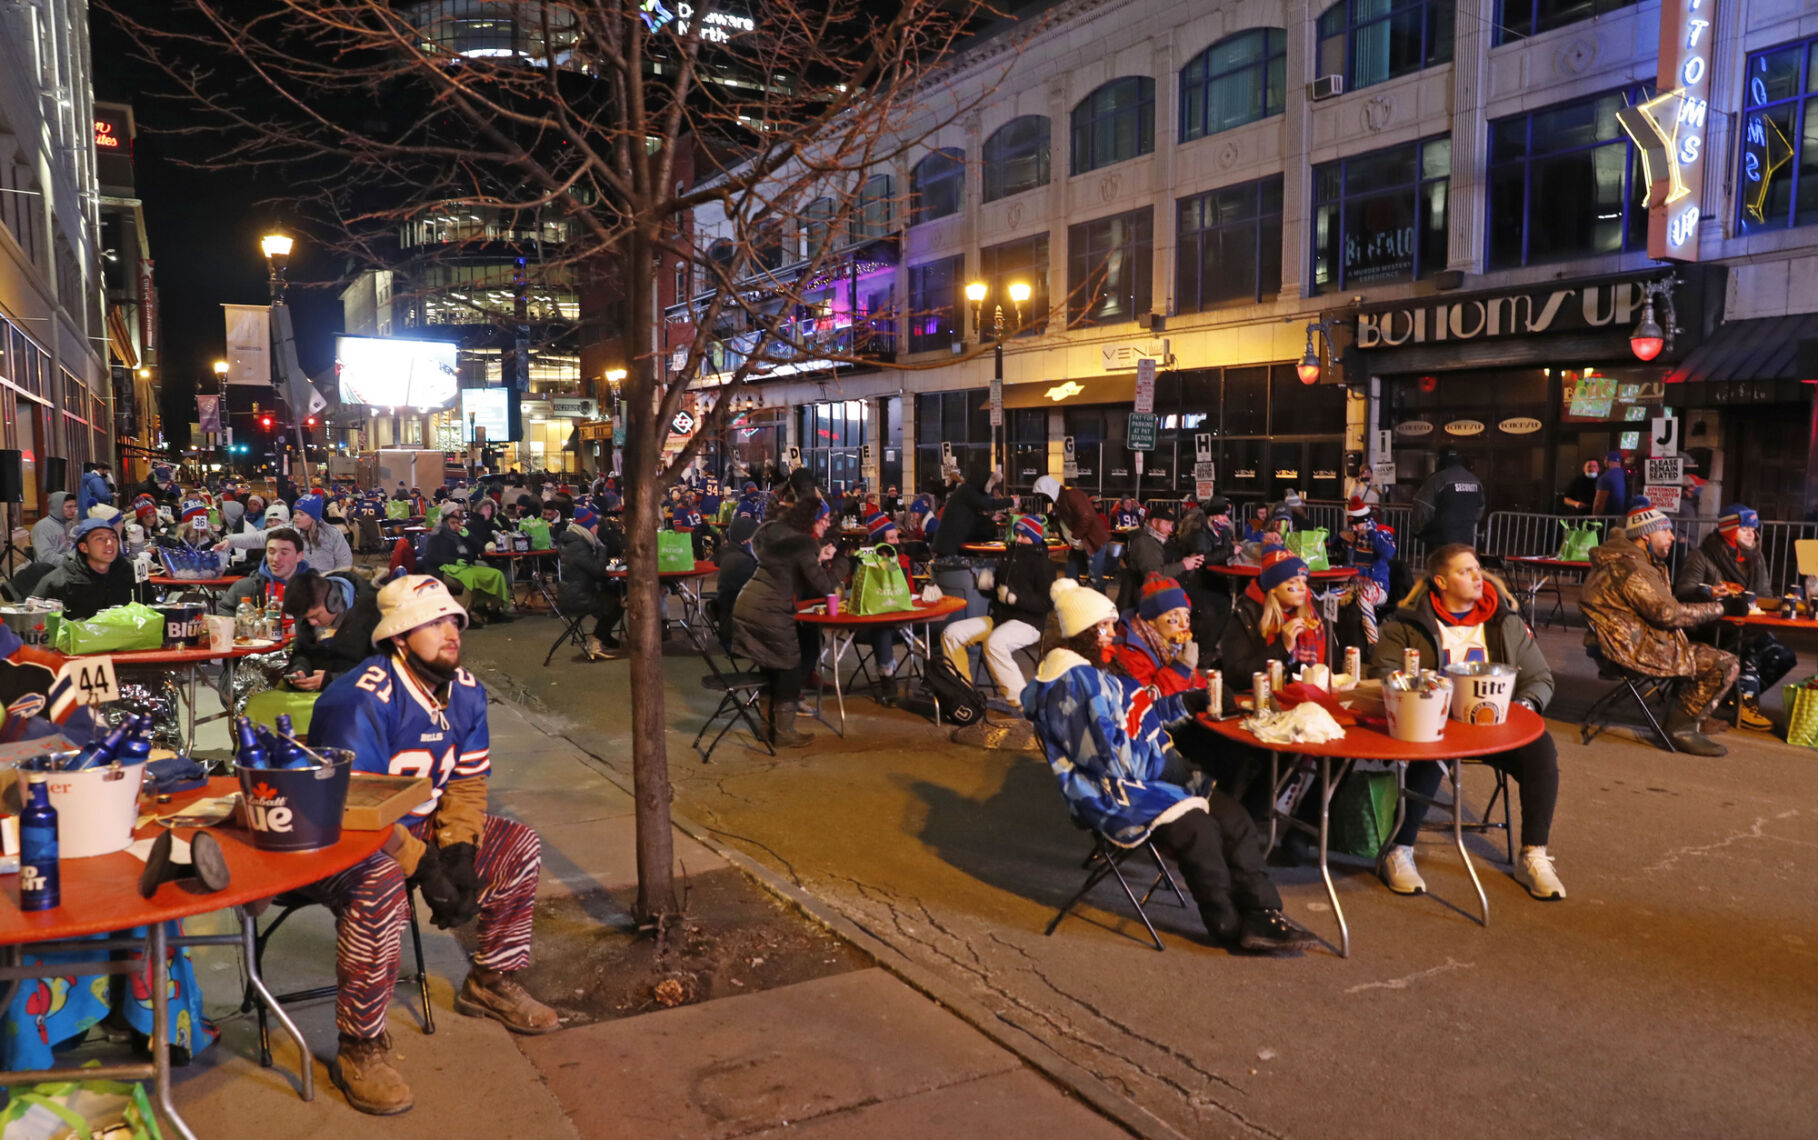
438,890
1196,701
457,861
1736,605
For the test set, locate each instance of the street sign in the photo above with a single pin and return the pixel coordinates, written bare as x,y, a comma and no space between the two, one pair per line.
793,457
1665,435
1202,446
1145,385
1205,469
1141,436
1202,489
1385,445
1662,498
1067,449
1069,470
997,403
865,456
1664,471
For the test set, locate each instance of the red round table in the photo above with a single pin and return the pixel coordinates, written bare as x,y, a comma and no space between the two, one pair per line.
844,627
1772,621
688,587
101,895
999,548
193,660
203,583
1335,574
1371,741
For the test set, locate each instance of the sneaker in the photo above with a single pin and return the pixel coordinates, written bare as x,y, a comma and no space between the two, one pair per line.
1272,932
363,1070
1396,866
1751,715
593,647
500,997
1534,870
1004,706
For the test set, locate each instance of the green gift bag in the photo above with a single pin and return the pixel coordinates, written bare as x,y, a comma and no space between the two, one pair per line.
1580,540
675,552
1801,712
1363,811
84,1109
432,518
117,630
538,530
1310,547
397,509
878,583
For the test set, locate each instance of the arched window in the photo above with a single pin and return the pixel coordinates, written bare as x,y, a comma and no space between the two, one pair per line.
937,185
1016,157
1238,80
1369,41
872,217
1114,123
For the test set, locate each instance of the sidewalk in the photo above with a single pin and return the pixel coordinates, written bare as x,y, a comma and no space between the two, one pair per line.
856,1054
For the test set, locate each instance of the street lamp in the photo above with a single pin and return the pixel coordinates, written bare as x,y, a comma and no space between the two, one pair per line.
1650,338
276,248
975,293
1309,368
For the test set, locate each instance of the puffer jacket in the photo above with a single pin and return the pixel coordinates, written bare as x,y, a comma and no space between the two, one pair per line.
50,534
1506,636
1023,579
1633,615
584,556
83,592
763,618
1714,562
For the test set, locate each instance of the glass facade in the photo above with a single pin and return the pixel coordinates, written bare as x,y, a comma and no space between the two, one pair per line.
1519,19
832,436
1381,216
1370,41
1566,181
1016,157
937,185
1238,80
1230,245
934,294
961,420
1017,262
1114,124
1777,186
1109,262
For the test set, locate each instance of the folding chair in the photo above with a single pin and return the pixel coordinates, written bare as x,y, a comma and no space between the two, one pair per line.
1105,860
740,689
571,631
1638,688
1484,823
288,904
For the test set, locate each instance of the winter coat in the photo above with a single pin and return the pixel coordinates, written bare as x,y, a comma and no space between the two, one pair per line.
1076,512
1506,636
1714,562
1111,777
93,489
966,517
255,586
330,551
50,534
1371,555
1138,654
737,565
444,547
83,592
764,616
1631,610
335,651
1025,575
1447,507
1146,554
584,556
1242,650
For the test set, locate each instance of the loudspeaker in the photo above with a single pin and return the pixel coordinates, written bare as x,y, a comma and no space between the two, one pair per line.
12,476
56,472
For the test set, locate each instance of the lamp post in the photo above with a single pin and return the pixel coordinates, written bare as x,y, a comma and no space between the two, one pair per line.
276,247
975,293
223,443
1650,337
1309,368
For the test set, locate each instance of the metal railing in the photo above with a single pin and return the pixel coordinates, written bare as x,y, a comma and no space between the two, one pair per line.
1523,533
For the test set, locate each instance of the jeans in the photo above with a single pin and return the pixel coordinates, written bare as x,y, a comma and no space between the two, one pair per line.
1535,769
1001,643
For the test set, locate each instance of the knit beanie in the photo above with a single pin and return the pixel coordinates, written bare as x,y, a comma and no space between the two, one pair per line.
586,516
1030,527
1159,595
877,523
1735,516
1278,567
193,509
1078,608
310,505
1645,520
145,507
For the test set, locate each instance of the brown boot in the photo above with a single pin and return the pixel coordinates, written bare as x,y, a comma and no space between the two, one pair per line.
490,993
364,1071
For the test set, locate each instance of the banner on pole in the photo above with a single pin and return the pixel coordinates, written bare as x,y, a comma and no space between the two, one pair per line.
248,344
208,413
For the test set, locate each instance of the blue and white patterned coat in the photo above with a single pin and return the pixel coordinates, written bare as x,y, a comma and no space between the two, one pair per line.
1104,740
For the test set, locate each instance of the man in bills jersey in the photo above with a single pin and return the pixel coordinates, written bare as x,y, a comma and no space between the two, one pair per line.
411,710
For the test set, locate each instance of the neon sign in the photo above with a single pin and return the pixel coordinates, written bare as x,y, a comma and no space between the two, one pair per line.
1765,148
1670,129
105,138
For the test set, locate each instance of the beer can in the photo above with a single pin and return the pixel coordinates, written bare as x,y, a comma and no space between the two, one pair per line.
1259,688
1275,675
1354,662
1410,660
1215,692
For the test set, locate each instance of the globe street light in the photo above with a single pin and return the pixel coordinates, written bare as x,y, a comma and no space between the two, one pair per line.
975,293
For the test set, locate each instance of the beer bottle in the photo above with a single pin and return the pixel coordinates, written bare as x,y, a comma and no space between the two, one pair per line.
40,887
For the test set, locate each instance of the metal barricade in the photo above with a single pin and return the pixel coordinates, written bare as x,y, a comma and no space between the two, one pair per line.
1776,540
1532,534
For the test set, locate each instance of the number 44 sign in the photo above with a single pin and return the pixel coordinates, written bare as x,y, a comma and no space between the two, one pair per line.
91,679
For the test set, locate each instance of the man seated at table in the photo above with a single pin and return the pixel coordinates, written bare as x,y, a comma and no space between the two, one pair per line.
585,548
1018,608
1729,562
450,555
1128,515
333,616
283,559
410,709
92,577
1104,738
1151,551
1459,613
1637,624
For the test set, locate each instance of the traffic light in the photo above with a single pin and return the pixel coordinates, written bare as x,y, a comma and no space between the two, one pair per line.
309,421
265,423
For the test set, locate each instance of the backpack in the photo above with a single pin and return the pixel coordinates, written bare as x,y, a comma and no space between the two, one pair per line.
960,703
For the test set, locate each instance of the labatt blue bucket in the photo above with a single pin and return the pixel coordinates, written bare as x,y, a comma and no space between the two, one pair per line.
297,809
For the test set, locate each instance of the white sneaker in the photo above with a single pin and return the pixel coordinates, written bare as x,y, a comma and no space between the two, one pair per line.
1396,866
1534,870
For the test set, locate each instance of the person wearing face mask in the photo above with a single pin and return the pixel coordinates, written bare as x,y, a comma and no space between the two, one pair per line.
1726,564
334,616
1275,620
1637,624
1105,739
1581,492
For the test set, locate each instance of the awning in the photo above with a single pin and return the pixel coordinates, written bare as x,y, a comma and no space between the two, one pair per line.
1766,348
1065,393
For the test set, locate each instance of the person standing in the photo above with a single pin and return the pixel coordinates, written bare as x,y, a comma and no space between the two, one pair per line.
1581,493
1612,492
1449,504
1083,528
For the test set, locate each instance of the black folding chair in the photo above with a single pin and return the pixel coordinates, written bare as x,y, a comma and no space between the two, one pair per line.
740,688
1638,689
1106,859
571,630
1486,823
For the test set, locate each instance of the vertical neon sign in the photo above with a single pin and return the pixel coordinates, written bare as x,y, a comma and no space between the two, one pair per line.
1687,37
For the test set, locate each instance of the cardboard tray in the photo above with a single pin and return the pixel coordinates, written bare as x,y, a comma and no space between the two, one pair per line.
376,802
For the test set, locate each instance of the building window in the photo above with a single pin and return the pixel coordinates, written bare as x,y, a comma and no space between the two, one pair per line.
817,225
681,283
937,185
833,436
1519,19
1369,41
1238,80
1230,245
872,217
1024,261
1779,179
1381,217
1114,123
1565,181
1108,268
962,421
1016,157
934,304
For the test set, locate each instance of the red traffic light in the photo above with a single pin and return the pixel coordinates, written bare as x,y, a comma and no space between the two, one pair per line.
309,421
265,422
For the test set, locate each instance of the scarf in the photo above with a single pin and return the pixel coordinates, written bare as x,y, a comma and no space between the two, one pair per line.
1479,613
1310,647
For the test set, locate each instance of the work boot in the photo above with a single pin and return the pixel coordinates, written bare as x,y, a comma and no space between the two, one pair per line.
1751,715
496,994
364,1071
1682,728
782,727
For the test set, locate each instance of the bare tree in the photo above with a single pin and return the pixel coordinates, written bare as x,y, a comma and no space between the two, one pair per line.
378,113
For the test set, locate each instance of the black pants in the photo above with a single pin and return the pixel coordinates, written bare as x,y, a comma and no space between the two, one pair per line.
607,609
785,684
1764,662
1535,769
1220,855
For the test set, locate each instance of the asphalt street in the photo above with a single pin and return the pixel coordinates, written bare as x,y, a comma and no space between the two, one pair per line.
1675,993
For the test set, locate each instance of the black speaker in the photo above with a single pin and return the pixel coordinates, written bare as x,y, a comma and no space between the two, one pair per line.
56,472
12,476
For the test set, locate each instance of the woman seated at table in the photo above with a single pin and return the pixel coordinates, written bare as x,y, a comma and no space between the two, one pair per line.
587,546
1729,562
1018,610
1275,620
1459,613
334,616
791,553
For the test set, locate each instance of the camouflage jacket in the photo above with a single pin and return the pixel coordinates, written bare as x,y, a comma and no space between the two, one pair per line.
1629,605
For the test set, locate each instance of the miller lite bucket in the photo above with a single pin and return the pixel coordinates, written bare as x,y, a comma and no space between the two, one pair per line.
34,623
1418,715
183,625
297,809
1481,691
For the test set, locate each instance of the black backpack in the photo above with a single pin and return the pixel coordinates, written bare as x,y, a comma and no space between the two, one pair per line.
960,703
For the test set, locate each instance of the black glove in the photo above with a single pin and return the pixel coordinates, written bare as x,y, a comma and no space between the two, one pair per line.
1196,701
1736,605
438,890
457,860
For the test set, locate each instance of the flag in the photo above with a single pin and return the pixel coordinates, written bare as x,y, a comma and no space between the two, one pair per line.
208,414
248,344
303,397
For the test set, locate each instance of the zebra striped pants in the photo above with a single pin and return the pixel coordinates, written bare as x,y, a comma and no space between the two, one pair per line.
371,906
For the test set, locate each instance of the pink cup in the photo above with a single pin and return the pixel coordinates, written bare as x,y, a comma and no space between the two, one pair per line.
833,605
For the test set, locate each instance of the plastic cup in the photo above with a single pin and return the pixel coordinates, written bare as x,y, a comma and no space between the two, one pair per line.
833,605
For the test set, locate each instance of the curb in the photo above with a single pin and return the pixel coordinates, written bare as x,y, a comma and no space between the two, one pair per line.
1069,1077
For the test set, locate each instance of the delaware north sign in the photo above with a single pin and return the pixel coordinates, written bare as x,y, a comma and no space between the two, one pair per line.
1580,307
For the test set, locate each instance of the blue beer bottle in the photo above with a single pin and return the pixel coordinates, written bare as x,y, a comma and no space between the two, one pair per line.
40,887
